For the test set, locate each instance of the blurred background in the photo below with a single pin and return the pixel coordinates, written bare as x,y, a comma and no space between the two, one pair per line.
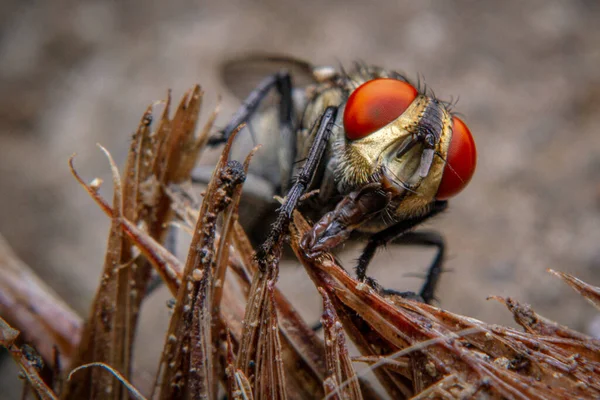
77,73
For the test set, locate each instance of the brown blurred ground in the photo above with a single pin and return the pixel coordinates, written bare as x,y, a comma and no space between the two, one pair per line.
76,73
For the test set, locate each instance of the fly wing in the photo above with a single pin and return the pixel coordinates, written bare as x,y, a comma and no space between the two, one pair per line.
243,74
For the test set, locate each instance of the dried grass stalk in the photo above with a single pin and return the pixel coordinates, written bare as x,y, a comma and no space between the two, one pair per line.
188,356
156,159
34,308
484,360
339,365
30,363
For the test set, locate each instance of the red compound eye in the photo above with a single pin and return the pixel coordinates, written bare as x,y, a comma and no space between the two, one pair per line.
375,104
460,161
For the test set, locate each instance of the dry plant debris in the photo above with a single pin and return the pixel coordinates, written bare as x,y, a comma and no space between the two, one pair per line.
233,332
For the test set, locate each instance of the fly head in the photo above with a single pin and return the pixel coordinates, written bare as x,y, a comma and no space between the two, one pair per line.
405,140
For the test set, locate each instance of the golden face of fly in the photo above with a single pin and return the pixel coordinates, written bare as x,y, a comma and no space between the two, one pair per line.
361,159
402,138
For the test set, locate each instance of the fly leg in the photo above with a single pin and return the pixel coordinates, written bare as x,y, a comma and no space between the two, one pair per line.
427,292
393,233
430,239
300,185
281,81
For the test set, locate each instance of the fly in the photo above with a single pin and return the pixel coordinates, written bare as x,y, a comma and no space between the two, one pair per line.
382,154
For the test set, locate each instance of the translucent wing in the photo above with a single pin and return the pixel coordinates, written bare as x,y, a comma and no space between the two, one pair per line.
243,74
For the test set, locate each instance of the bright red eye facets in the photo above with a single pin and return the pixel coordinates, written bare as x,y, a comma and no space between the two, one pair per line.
375,104
460,161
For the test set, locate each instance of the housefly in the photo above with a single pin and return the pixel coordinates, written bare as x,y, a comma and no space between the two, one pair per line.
379,154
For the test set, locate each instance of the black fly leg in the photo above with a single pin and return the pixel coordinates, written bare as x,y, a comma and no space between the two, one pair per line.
390,234
300,185
283,82
426,294
287,151
429,238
